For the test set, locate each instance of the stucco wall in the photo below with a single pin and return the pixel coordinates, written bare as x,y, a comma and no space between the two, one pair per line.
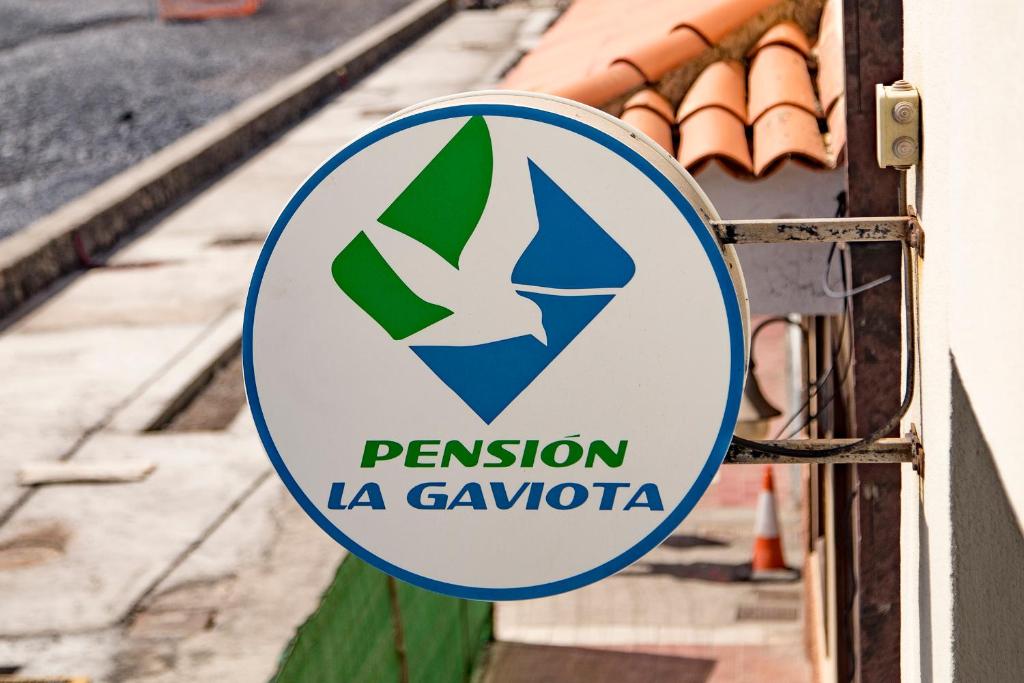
963,558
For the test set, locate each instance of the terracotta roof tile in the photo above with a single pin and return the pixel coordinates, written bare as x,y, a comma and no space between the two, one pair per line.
717,18
594,36
778,75
603,86
787,131
658,57
720,85
749,121
714,132
652,114
784,33
829,51
651,99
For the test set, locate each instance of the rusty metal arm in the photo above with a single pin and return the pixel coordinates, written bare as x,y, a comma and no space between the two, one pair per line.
880,229
872,448
888,450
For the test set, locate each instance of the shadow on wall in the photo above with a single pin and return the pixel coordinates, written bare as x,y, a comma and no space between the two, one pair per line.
988,556
924,593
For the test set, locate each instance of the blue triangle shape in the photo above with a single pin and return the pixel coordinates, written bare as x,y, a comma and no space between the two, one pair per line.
488,377
570,250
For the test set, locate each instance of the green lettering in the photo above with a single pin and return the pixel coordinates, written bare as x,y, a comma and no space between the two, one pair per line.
458,450
372,452
573,452
505,457
612,458
418,450
529,454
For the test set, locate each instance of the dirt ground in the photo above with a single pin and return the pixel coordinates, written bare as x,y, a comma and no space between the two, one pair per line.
89,87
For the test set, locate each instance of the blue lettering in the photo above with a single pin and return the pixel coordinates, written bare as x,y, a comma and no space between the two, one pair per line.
438,501
337,493
651,498
501,498
533,500
608,491
473,493
368,497
579,496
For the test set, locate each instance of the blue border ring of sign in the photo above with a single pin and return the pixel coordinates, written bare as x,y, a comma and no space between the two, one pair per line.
729,296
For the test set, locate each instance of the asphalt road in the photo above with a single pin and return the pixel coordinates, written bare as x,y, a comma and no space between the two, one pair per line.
89,87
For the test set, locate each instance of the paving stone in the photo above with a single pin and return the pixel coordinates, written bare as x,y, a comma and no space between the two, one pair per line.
267,593
681,601
59,385
119,539
532,663
91,654
448,68
333,126
195,291
669,594
159,396
240,541
480,31
18,448
291,164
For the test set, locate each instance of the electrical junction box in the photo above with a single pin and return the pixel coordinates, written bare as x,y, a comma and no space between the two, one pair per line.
898,109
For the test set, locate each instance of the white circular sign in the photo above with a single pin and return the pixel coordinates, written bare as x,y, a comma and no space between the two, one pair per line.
493,348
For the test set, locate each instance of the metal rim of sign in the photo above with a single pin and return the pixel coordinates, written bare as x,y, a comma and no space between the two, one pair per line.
722,261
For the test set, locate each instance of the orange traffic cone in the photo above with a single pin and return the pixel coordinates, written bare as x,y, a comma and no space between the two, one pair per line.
199,10
767,544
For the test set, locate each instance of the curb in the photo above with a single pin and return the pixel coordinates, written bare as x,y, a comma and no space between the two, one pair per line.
56,244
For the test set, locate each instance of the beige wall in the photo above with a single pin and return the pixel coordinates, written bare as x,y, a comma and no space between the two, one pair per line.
963,557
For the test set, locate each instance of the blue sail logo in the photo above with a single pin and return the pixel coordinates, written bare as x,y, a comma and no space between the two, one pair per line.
569,257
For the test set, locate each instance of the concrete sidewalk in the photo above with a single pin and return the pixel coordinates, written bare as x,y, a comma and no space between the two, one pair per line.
190,574
686,612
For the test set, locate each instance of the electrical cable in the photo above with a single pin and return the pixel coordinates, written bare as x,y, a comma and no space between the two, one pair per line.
842,294
770,321
812,391
836,349
846,293
840,380
816,388
892,422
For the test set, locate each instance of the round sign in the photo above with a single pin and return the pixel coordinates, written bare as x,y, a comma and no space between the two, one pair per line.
493,348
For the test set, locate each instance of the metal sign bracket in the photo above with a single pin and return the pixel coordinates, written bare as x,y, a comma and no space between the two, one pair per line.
824,230
905,229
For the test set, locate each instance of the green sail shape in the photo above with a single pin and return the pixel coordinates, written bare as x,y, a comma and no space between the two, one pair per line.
442,206
362,273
